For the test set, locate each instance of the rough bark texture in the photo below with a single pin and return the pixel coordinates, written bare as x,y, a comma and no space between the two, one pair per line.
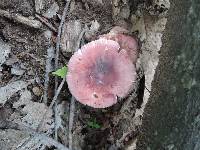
172,116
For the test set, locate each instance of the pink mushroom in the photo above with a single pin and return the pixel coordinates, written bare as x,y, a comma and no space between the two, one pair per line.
125,41
100,72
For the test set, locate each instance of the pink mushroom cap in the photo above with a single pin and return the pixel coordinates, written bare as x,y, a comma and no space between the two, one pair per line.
98,73
125,41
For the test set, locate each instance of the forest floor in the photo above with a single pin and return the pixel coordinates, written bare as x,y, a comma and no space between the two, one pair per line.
37,110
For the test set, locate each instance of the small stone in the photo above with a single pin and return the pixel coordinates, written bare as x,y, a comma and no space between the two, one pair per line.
69,37
39,5
90,34
4,51
10,89
17,71
52,11
37,91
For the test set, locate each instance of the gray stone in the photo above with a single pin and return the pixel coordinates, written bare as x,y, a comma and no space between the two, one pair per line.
70,35
10,89
52,11
4,51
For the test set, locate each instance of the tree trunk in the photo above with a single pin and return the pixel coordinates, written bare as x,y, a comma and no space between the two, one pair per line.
172,116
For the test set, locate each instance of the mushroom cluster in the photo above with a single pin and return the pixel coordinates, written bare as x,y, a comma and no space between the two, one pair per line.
103,70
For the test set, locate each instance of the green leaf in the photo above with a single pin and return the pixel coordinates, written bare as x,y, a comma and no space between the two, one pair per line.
93,124
61,72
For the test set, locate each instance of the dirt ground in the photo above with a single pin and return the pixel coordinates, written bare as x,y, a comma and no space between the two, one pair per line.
28,39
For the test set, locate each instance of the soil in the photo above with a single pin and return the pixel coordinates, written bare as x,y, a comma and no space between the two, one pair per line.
29,56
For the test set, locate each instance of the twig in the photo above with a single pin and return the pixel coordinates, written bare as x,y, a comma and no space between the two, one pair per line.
46,81
80,38
55,108
56,120
45,139
56,59
21,19
49,25
52,103
50,56
59,33
71,121
57,93
72,104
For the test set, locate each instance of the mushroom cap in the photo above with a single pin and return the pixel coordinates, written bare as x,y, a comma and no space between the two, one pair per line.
98,73
129,43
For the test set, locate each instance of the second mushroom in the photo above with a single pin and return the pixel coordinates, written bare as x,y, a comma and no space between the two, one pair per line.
103,70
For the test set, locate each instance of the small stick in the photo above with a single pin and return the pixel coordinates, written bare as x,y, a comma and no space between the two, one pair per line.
57,93
55,108
71,121
21,19
50,54
52,103
49,25
56,58
59,33
57,90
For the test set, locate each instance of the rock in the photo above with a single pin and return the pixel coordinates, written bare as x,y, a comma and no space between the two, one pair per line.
159,7
37,91
52,11
15,70
24,7
13,59
121,9
90,34
4,51
39,5
24,99
11,139
10,89
42,5
33,112
139,26
163,3
70,35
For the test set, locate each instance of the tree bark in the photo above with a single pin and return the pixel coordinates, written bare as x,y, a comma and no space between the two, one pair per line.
172,116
